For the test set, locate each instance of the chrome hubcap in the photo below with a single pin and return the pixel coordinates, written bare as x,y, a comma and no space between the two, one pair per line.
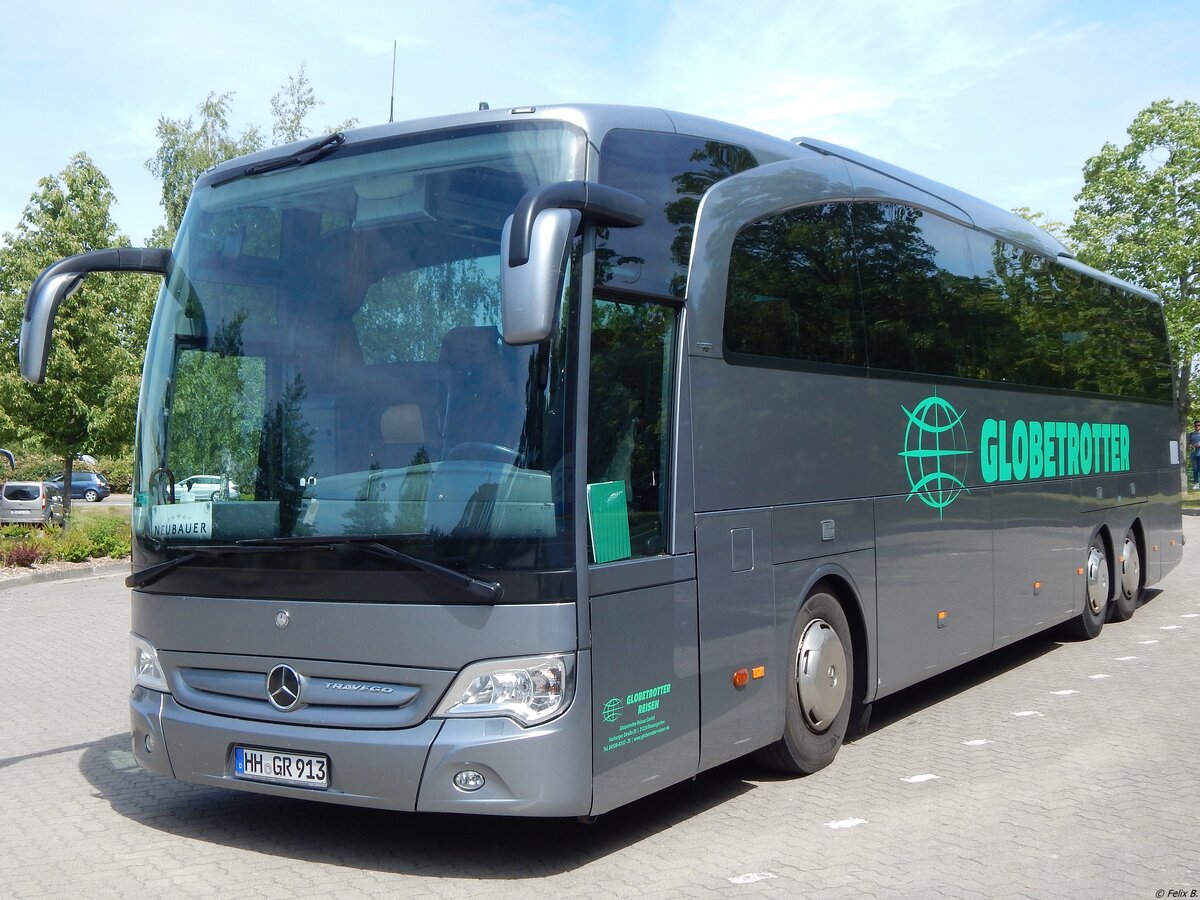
1097,580
1131,569
820,674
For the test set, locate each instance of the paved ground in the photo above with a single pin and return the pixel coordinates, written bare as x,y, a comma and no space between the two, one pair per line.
1045,771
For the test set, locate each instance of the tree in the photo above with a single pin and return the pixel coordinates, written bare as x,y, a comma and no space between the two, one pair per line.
186,149
90,394
290,105
1139,218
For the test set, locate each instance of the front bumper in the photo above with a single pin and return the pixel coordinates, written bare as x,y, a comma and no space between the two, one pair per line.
539,771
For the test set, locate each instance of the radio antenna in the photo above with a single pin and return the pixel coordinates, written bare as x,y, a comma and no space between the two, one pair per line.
392,102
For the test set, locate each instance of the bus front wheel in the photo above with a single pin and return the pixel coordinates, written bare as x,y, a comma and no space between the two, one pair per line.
820,689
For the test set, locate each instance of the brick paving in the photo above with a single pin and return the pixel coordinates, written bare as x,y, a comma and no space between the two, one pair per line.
1045,770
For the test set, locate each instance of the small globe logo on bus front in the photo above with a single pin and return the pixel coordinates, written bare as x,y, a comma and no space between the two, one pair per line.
612,709
935,453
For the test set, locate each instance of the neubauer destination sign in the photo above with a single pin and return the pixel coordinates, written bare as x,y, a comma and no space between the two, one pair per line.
1022,449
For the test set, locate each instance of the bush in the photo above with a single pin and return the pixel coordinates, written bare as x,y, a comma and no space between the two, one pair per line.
106,536
73,546
23,554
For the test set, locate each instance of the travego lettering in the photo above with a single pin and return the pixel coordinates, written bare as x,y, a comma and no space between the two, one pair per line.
1019,450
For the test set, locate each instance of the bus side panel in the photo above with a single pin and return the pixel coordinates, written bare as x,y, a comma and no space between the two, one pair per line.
738,630
645,704
935,586
1038,544
770,436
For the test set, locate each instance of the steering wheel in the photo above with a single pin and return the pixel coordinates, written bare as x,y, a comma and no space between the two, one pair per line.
483,451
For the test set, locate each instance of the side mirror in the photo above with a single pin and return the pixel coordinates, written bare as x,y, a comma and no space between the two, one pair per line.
59,281
534,249
530,292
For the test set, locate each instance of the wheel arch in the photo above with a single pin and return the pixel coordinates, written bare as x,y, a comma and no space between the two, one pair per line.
842,586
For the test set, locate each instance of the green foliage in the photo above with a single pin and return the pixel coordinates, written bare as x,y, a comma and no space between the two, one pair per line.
90,538
1139,218
108,536
118,469
90,394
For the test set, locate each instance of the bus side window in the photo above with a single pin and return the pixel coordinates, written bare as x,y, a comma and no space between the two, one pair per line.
629,403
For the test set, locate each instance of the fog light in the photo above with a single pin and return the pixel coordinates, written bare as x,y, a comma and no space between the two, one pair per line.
148,743
468,780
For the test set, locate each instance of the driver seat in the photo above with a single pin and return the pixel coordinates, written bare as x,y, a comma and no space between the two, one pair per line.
486,399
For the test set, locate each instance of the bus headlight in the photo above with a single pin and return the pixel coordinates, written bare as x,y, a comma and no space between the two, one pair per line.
529,690
146,670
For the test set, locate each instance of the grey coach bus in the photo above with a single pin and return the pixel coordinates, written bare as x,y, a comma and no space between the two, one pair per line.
573,451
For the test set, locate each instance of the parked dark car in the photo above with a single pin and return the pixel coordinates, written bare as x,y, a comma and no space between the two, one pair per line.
90,486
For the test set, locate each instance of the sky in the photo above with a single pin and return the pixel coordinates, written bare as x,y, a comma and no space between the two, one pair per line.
1006,101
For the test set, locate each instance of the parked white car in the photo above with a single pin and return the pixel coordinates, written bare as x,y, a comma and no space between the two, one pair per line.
204,487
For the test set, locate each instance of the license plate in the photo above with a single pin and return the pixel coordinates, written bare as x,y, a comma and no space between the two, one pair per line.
281,767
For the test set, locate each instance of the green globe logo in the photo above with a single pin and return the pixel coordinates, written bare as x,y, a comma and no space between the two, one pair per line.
613,709
935,453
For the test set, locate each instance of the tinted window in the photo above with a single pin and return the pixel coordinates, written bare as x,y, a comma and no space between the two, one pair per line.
22,492
915,273
899,289
1045,325
792,288
670,172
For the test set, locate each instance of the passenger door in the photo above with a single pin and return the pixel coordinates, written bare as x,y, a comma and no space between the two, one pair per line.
643,601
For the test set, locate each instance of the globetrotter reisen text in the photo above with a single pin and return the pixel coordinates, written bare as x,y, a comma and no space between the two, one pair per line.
1021,449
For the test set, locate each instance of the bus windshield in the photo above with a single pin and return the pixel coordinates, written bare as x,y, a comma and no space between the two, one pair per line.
325,359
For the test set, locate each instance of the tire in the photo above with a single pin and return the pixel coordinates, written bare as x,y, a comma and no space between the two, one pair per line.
820,689
1128,589
215,496
1097,595
90,495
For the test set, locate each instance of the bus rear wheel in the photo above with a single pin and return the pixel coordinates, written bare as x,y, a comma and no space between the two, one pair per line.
820,689
1129,588
1097,594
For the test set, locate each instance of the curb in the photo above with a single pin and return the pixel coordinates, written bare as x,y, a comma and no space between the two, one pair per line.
111,568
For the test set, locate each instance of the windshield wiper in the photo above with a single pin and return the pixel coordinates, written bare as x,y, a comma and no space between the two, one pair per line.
149,574
302,157
370,543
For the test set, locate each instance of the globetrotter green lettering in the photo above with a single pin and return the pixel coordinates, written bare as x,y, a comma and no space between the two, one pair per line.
1022,450
646,695
647,724
936,452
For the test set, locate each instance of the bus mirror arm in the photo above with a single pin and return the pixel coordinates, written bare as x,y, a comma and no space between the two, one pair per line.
598,203
535,248
61,279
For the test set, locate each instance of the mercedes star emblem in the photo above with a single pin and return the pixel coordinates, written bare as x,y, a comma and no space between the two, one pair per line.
283,687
